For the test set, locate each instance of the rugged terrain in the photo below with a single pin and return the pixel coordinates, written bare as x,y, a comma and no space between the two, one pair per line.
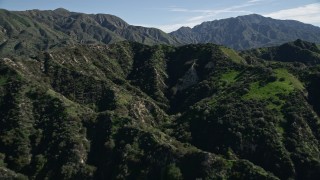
249,31
25,32
74,106
28,32
134,111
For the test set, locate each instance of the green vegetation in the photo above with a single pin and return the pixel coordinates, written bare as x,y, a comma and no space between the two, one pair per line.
26,33
3,80
230,77
235,57
284,84
173,172
269,91
133,111
297,51
286,77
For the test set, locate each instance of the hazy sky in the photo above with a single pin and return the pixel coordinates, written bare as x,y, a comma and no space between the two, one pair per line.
169,15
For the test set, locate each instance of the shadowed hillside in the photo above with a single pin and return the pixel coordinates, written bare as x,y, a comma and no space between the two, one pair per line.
298,51
132,111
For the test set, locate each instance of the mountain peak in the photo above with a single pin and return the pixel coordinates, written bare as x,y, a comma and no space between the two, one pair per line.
253,15
185,29
254,18
110,21
61,11
249,31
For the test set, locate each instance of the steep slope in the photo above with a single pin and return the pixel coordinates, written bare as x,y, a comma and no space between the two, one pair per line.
297,51
132,111
26,32
73,113
248,31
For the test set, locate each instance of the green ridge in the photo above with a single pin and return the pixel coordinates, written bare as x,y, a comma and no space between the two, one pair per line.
233,55
133,111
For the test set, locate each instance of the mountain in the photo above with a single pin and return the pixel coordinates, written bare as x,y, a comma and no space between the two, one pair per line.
133,111
297,51
27,32
83,97
250,31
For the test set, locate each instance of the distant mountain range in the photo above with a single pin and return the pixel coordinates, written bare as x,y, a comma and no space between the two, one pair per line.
27,32
250,31
23,32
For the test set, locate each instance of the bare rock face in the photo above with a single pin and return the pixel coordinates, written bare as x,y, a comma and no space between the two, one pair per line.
190,78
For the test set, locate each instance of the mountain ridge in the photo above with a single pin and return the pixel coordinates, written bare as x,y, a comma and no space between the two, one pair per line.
129,110
296,51
249,31
79,101
61,27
